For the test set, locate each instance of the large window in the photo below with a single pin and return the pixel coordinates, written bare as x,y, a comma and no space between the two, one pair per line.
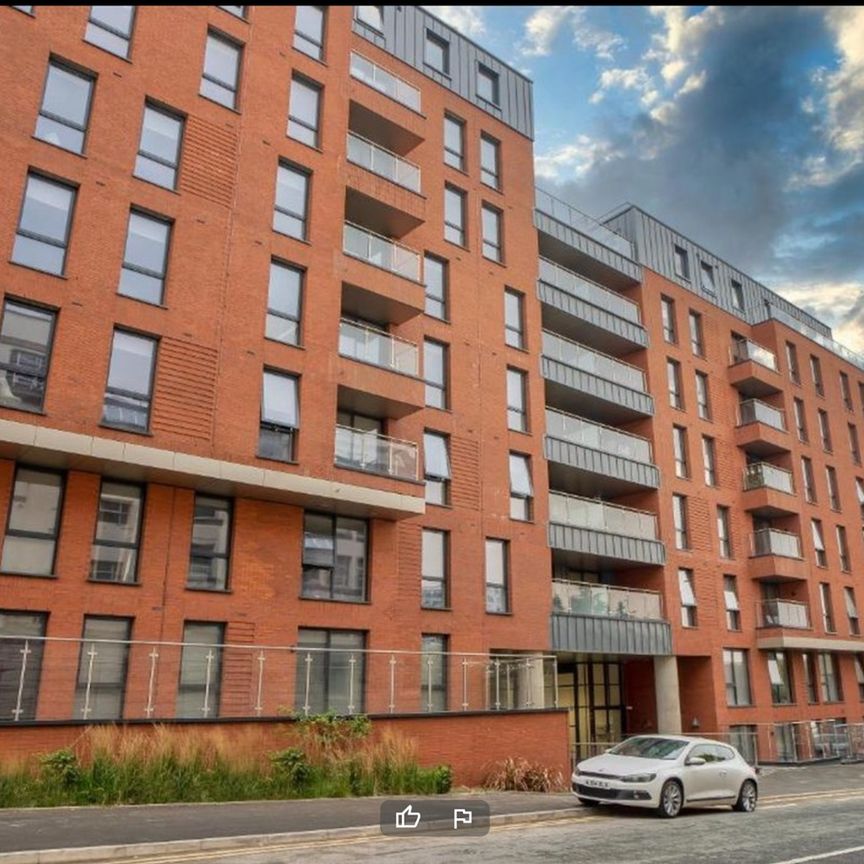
102,667
854,448
709,461
697,338
433,672
200,670
808,480
331,672
309,30
846,391
159,149
487,84
110,27
688,597
221,75
130,382
436,53
737,294
682,262
521,487
290,213
114,556
829,678
517,400
491,220
454,215
20,664
827,607
65,108
724,532
778,675
34,523
707,280
816,374
703,399
792,363
145,259
454,142
852,611
283,303
435,373
211,543
667,314
280,417
435,569
679,516
808,664
304,112
679,450
833,489
371,16
673,382
26,336
733,607
43,228
490,161
819,543
843,549
436,456
334,557
497,576
737,677
824,430
435,274
800,419
514,318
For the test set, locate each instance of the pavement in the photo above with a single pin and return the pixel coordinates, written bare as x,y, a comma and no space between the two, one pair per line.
66,834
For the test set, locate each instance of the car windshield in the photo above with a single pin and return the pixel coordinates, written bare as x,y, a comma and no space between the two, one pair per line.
650,748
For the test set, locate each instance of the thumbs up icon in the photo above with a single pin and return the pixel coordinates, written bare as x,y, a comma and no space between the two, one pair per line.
407,818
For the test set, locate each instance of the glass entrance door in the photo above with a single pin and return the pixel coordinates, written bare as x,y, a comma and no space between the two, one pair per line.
591,691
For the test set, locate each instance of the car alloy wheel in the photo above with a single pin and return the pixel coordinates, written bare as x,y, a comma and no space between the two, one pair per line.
747,797
671,799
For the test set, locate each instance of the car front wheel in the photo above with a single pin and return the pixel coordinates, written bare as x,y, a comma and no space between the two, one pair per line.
747,798
671,799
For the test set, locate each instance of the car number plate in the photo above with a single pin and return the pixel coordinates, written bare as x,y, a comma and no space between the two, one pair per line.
597,784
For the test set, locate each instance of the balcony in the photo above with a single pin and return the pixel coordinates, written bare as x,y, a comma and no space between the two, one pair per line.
753,370
776,556
588,312
382,252
370,345
385,82
769,491
787,614
363,450
606,389
589,458
761,428
591,618
595,534
383,162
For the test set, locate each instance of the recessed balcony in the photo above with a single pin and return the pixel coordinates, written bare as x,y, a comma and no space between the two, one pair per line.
369,451
384,81
769,491
776,556
753,370
383,162
761,428
784,614
377,347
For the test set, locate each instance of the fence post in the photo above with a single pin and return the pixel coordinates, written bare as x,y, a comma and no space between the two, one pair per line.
429,683
25,653
258,706
154,656
91,654
464,683
497,684
352,662
308,662
529,669
555,680
392,683
205,708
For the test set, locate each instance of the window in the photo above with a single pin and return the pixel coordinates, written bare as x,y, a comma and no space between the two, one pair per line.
733,608
280,417
145,258
114,554
309,31
514,318
487,84
290,214
435,569
65,109
816,374
454,215
809,483
800,420
778,675
236,11
371,16
688,598
110,27
707,278
102,667
724,534
737,295
709,461
435,274
679,448
43,228
334,558
859,675
304,111
34,523
852,611
667,314
737,677
454,142
436,53
859,492
827,607
490,159
807,662
283,303
332,677
517,413
497,576
433,672
792,363
829,678
221,70
703,403
679,517
435,372
818,543
682,263
845,391
824,430
521,488
159,149
854,449
211,541
26,337
697,339
27,10
673,380
130,382
436,456
200,670
833,491
21,659
491,224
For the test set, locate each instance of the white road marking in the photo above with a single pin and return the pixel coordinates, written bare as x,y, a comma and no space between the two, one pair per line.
822,856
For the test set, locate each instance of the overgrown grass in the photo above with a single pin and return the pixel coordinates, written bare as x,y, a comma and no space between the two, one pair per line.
328,757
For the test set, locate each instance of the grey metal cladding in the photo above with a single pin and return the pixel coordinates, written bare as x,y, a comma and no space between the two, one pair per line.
605,464
404,36
589,541
589,634
579,308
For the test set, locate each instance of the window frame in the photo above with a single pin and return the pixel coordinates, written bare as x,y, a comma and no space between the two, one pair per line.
443,45
485,73
283,316
326,654
207,688
733,611
668,320
687,596
120,689
517,415
501,588
452,231
426,577
454,158
78,72
332,590
680,521
440,684
681,262
734,658
429,298
7,368
118,544
439,387
275,427
126,37
158,108
226,555
680,452
519,299
220,36
134,268
697,333
703,396
495,245
674,384
129,394
303,218
302,81
485,173
724,532
525,510
709,461
23,693
305,37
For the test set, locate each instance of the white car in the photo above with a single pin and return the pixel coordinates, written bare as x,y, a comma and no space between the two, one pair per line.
667,773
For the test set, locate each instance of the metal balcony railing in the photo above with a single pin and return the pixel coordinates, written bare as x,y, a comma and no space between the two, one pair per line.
381,252
588,360
773,541
764,475
384,81
745,349
370,451
361,342
783,613
383,162
566,280
610,601
568,215
757,411
587,433
579,512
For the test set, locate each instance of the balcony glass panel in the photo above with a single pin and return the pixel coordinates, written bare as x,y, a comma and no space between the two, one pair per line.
784,613
577,430
597,516
583,598
756,411
744,349
763,475
771,541
562,212
383,163
579,357
381,251
386,82
368,451
377,347
590,292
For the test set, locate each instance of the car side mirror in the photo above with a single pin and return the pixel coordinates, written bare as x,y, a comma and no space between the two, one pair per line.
695,760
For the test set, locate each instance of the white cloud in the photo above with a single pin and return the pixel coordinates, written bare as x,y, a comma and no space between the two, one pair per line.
542,28
845,87
544,25
468,20
636,78
589,37
574,160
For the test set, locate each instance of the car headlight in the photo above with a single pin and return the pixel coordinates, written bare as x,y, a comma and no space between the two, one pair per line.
638,778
